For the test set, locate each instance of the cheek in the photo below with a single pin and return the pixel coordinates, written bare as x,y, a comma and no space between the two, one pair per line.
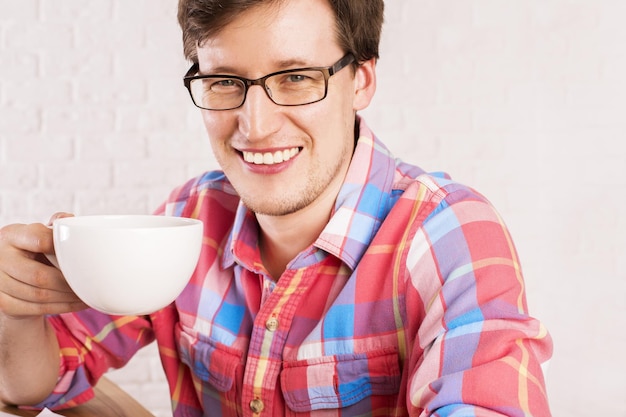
335,111
211,121
219,126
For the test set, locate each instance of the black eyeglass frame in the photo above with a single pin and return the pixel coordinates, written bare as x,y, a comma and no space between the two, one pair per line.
326,71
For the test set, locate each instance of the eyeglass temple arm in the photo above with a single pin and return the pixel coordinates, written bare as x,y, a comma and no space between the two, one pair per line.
191,72
345,61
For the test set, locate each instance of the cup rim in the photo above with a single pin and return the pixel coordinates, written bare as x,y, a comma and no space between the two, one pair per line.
125,221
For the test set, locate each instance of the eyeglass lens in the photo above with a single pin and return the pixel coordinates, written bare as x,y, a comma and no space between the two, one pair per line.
288,89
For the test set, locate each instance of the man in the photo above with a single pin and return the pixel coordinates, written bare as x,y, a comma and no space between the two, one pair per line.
334,279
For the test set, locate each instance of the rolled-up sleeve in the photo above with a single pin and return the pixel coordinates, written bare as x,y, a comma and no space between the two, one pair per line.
90,344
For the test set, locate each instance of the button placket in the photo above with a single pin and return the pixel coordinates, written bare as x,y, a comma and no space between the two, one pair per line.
279,309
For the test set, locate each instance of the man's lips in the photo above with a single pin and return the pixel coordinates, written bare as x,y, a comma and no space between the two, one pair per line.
270,158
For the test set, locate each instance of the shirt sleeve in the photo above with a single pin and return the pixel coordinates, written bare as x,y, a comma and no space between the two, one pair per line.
90,344
477,350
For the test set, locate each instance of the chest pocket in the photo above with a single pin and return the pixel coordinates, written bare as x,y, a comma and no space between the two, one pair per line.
342,381
217,366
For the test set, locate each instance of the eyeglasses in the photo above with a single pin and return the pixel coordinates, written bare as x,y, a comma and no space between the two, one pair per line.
293,87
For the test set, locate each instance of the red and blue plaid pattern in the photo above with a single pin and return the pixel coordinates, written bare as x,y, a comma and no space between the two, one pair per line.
410,302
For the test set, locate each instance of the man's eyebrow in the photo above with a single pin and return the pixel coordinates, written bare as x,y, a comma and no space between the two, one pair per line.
218,70
292,63
278,65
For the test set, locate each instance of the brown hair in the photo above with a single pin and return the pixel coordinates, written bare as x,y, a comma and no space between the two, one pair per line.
358,23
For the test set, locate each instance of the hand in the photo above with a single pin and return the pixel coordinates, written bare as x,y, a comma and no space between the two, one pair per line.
29,284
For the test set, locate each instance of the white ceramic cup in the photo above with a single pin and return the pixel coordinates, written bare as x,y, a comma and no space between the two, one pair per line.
127,264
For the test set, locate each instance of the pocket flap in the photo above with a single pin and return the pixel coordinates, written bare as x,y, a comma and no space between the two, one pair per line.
213,362
340,380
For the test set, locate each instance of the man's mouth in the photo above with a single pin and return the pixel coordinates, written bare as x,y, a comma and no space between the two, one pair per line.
270,158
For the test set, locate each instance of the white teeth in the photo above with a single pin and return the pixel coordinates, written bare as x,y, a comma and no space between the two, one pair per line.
269,158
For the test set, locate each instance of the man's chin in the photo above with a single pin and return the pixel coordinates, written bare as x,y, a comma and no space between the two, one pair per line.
275,207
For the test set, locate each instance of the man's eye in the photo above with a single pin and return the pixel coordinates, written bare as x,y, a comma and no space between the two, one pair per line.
224,83
294,78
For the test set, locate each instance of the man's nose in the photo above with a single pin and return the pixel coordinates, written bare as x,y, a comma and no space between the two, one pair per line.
259,115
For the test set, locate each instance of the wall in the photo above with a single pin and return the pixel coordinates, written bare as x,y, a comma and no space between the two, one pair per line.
524,100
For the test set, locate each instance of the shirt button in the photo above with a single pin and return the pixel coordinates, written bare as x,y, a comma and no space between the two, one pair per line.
256,405
271,324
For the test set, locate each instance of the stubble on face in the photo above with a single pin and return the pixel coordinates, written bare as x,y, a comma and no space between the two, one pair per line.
316,182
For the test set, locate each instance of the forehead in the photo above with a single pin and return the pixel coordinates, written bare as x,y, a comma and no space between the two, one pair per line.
270,37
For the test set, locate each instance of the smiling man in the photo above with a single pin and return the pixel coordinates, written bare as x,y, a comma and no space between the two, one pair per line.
334,278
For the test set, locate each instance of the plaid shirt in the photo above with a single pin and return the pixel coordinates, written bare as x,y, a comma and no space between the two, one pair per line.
410,302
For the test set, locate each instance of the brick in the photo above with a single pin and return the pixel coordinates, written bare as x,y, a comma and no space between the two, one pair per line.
171,147
142,173
19,11
3,140
133,63
144,11
37,148
495,14
75,175
441,119
593,94
109,145
169,89
517,117
37,36
77,63
108,35
20,119
77,119
162,118
107,91
17,65
73,11
43,203
14,207
38,92
105,200
18,176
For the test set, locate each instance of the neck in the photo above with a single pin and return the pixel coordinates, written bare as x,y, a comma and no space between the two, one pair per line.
282,238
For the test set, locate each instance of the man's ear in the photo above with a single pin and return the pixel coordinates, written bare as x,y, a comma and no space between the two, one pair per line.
365,84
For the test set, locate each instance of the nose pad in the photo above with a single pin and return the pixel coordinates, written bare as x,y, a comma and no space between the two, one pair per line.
268,91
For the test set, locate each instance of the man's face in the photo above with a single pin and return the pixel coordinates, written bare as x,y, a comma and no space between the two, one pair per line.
315,141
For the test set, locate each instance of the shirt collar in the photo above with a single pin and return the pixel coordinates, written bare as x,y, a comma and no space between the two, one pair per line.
363,202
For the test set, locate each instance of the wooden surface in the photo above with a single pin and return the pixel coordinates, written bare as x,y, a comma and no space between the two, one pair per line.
110,401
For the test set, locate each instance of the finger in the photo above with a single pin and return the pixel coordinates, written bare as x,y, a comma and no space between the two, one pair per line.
26,270
35,238
15,307
59,215
35,294
20,247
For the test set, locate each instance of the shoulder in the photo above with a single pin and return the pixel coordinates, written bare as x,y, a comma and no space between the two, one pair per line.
434,205
435,189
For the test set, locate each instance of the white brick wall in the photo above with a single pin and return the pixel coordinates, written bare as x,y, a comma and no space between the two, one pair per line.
525,100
